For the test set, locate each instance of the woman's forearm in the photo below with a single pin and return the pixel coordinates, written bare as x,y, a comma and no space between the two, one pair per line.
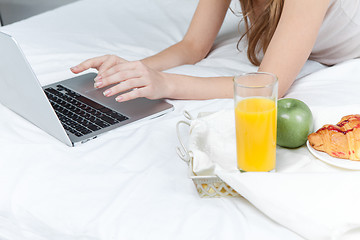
178,54
197,42
198,88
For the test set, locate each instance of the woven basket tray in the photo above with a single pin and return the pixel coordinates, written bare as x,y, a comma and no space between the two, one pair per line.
207,186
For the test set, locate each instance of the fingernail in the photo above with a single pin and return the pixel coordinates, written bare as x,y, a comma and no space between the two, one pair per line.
107,92
97,84
74,68
119,98
98,77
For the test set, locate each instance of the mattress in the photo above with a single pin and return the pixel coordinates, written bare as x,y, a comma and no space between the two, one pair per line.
130,183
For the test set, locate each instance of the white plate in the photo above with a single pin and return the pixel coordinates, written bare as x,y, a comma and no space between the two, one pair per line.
338,162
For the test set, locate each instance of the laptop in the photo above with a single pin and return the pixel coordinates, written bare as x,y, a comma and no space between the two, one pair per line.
72,110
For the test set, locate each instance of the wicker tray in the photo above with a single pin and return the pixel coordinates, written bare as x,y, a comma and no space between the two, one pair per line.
206,186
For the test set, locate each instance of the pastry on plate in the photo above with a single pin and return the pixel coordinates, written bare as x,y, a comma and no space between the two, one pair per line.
341,140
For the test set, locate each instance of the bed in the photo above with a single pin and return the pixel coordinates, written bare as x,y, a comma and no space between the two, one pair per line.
130,183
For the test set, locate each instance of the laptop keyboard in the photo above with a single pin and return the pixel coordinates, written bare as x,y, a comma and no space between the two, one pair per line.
78,114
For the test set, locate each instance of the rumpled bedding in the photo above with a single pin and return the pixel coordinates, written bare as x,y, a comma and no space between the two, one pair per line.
130,183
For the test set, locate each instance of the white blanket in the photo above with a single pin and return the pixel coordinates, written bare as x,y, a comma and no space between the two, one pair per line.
314,199
130,184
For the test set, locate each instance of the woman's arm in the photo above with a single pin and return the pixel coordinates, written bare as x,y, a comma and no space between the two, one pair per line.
198,40
293,40
146,80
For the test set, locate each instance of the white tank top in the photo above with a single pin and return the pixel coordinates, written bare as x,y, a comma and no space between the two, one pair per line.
339,36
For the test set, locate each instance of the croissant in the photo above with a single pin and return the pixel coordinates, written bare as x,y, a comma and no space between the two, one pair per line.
341,140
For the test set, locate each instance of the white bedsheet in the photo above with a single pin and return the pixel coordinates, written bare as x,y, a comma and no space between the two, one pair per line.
130,184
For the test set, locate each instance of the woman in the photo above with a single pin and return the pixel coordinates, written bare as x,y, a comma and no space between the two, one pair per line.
286,32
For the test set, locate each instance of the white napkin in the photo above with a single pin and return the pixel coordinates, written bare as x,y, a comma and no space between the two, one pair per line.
306,195
212,141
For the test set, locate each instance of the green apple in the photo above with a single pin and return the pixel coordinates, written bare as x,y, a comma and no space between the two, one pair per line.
294,122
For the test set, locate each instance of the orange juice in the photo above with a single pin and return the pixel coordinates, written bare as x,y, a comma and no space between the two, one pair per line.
256,134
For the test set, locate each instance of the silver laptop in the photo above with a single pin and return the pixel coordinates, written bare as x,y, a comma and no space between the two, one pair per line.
72,111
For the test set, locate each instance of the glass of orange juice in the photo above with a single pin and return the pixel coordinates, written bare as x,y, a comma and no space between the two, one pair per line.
255,118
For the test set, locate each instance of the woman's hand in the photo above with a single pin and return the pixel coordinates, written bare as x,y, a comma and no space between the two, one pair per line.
134,78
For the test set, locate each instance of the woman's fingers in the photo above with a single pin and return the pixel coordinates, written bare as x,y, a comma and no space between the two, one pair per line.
134,78
133,94
116,74
101,63
123,66
119,77
115,69
90,63
110,62
124,86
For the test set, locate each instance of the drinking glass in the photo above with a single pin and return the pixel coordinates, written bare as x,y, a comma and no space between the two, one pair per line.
256,118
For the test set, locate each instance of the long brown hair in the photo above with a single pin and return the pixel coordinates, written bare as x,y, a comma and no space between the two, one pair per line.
259,31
